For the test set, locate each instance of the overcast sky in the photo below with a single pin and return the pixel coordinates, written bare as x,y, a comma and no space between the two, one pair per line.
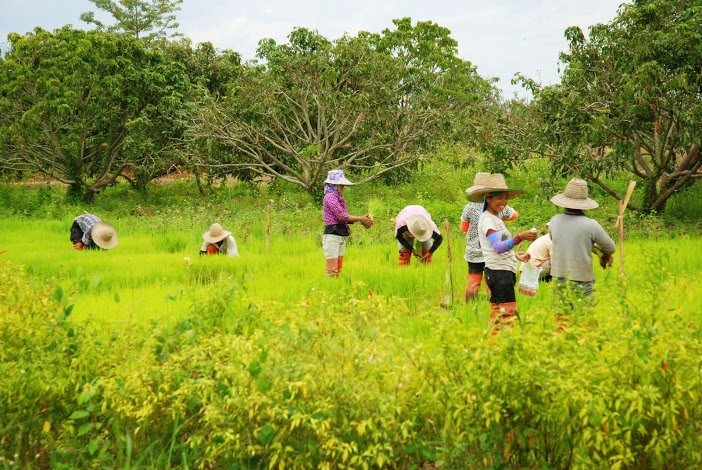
500,37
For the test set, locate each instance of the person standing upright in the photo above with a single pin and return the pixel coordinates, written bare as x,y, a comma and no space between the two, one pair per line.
574,236
336,217
469,225
497,243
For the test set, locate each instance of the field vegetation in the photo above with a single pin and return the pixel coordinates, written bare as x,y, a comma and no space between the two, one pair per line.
149,355
136,357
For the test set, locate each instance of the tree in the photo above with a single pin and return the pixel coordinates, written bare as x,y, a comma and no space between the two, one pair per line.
141,19
354,103
84,108
630,100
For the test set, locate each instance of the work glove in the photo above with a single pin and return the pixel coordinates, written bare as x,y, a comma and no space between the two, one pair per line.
78,245
606,260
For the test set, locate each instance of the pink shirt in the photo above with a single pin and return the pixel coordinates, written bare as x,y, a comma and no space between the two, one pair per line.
401,218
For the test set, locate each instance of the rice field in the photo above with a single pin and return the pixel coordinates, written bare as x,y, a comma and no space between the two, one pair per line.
154,272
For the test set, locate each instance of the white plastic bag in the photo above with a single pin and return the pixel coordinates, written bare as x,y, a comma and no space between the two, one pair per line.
529,279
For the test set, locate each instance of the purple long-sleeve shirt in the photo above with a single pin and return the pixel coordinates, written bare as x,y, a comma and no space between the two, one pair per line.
334,209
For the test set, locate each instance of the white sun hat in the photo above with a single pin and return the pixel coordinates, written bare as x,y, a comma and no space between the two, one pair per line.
337,177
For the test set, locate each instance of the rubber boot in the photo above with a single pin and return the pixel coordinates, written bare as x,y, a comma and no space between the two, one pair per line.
339,264
405,257
332,267
494,321
426,256
473,285
508,314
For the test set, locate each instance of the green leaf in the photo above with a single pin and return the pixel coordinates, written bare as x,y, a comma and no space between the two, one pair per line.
80,414
85,429
93,445
265,434
263,385
255,368
58,294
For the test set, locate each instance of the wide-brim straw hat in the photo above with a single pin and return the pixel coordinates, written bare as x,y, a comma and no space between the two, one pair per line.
337,177
494,183
575,196
478,182
104,235
419,227
215,234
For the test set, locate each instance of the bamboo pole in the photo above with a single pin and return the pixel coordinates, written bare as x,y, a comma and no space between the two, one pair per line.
619,224
448,278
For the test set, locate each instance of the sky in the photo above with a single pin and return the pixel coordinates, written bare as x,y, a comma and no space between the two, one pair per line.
500,37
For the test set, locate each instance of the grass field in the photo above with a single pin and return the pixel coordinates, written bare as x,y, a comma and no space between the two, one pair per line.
153,275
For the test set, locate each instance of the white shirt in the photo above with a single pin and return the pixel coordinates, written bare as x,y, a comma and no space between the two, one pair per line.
503,261
228,247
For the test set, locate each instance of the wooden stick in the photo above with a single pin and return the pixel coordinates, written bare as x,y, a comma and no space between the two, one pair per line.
620,223
449,273
268,225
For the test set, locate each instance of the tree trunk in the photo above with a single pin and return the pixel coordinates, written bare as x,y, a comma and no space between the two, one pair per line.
89,197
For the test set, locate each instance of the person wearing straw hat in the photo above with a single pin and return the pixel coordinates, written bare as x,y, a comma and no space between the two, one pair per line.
218,241
414,224
89,232
469,225
575,236
336,217
496,243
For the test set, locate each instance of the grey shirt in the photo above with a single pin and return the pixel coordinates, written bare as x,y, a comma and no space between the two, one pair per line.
574,236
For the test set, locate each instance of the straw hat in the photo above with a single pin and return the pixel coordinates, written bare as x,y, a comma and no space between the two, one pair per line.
494,183
478,182
215,234
104,235
575,196
419,227
337,177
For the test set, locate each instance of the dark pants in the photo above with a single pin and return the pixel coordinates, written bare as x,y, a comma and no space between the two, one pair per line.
76,233
501,284
476,268
77,236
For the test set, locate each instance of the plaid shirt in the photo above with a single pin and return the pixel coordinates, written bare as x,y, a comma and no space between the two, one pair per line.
334,209
86,223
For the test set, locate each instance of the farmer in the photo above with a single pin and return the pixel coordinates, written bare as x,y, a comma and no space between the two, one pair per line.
469,225
575,236
540,255
336,217
89,232
414,224
496,243
218,241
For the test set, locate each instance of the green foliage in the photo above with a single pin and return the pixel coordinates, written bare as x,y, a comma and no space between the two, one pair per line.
141,19
371,103
355,379
628,102
84,108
